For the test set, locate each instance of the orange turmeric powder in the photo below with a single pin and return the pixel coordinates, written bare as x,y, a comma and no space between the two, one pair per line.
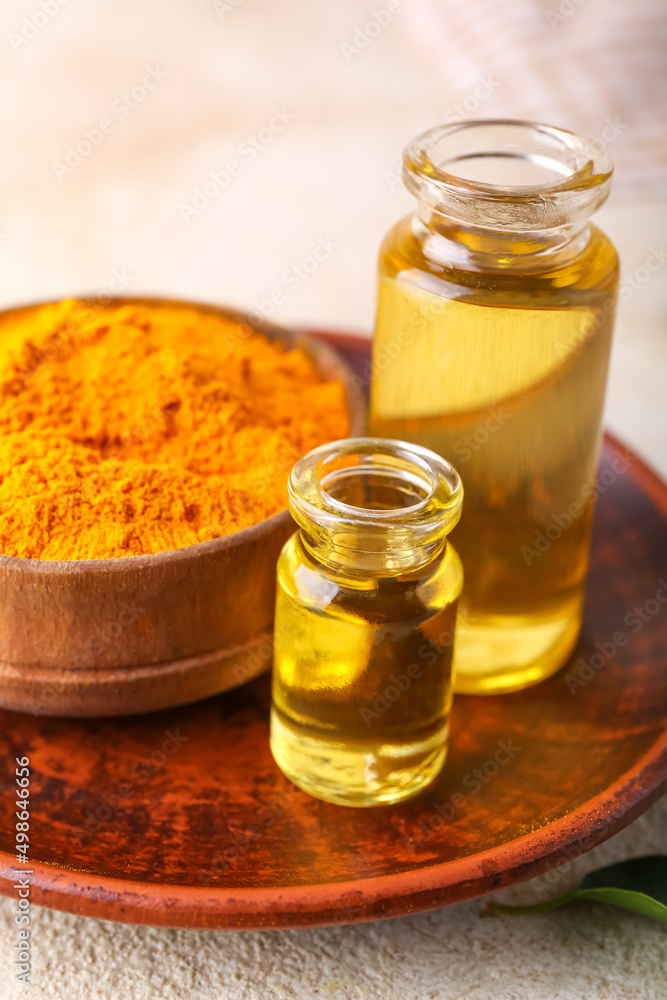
128,429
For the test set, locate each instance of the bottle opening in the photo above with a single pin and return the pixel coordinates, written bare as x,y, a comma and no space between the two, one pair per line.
508,170
508,174
375,503
368,481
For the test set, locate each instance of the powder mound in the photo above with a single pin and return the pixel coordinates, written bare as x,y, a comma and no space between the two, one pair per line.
132,429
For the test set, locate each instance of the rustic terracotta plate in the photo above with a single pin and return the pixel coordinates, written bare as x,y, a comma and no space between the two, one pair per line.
180,818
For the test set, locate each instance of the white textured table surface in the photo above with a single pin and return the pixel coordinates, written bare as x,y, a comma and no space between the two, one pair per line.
324,170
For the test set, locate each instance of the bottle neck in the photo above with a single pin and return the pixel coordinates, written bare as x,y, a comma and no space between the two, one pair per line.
364,554
499,194
453,243
371,506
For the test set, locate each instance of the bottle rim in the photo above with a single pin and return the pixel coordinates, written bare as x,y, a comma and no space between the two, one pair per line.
429,487
507,173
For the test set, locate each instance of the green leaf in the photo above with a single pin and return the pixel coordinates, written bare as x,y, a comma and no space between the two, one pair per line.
639,884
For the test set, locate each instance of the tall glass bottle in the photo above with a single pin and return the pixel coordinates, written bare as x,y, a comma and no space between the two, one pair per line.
493,332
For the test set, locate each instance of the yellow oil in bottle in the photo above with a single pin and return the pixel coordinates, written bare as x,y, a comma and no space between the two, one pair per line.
362,676
503,374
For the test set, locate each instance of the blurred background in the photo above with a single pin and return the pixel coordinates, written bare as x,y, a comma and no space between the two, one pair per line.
204,149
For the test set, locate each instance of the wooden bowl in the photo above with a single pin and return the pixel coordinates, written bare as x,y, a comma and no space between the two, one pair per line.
139,633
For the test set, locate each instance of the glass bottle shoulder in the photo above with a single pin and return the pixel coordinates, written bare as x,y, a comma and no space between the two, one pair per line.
414,255
320,587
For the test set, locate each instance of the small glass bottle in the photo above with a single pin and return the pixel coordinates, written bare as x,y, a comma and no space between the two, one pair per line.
492,340
364,627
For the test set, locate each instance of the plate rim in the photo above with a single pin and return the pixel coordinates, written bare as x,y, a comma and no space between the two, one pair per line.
226,908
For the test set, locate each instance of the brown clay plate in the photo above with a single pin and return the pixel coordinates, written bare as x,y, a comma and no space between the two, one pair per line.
180,818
